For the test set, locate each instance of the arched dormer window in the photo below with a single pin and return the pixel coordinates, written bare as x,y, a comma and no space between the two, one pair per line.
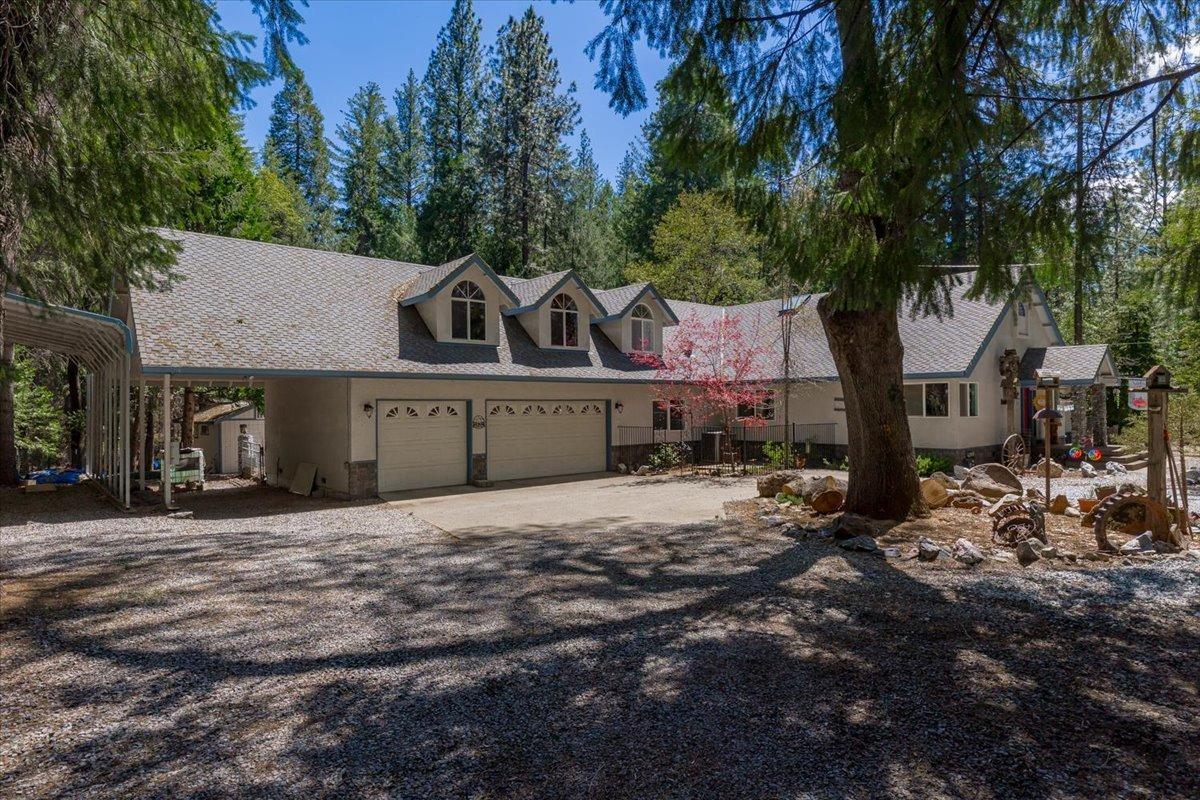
564,322
642,338
468,312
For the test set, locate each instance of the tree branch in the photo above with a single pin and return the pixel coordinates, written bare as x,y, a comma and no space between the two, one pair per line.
1166,77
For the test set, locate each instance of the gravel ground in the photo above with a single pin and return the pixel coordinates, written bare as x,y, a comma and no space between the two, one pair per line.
275,646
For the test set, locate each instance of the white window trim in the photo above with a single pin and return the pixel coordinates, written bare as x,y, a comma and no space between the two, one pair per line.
561,315
923,415
965,411
635,323
760,406
670,407
467,301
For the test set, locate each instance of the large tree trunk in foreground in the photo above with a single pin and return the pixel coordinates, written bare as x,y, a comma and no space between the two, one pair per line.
869,356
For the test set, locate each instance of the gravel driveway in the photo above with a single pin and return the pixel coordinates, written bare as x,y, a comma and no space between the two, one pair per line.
283,647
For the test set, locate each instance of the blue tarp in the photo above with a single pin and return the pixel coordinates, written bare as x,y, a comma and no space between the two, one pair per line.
56,476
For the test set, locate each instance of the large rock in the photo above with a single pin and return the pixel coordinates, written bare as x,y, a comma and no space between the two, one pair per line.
1139,544
1059,504
772,483
934,492
1087,470
992,480
863,543
945,480
1028,552
849,526
1116,468
1055,468
966,552
928,549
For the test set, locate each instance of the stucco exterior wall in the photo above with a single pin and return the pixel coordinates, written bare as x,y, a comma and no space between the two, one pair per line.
230,429
436,310
307,420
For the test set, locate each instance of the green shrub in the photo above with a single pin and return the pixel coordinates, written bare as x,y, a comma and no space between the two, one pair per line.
665,456
775,454
927,465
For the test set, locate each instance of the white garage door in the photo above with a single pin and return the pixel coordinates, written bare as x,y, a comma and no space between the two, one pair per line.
535,438
422,443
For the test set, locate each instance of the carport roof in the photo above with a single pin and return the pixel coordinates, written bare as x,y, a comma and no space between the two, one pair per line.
91,339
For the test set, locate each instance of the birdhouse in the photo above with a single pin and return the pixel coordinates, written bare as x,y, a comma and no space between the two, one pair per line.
1159,377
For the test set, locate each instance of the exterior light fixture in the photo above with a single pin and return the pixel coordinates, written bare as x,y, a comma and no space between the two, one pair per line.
368,409
619,406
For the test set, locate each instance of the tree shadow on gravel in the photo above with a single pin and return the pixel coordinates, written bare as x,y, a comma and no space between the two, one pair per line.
701,661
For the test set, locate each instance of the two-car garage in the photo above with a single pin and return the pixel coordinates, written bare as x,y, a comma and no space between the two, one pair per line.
428,443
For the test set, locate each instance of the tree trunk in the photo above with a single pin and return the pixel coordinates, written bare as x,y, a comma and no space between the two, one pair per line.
148,443
8,433
189,417
868,353
73,407
1080,190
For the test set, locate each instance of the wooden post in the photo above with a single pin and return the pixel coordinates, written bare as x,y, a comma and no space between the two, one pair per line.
1158,386
165,466
1010,367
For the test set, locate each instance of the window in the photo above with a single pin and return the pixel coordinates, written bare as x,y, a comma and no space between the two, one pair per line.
667,416
468,312
763,409
968,399
564,322
642,336
1022,319
927,399
204,430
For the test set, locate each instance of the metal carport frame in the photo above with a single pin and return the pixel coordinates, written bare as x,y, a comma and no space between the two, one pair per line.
103,346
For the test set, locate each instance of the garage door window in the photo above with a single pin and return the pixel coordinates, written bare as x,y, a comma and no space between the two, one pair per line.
468,312
564,322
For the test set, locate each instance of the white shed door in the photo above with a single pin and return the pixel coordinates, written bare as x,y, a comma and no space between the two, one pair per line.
536,438
422,443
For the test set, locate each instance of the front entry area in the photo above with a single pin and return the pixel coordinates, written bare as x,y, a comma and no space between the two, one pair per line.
537,438
422,444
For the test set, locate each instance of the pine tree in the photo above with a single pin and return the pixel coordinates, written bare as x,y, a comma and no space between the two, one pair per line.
525,156
450,217
365,217
588,243
406,159
299,153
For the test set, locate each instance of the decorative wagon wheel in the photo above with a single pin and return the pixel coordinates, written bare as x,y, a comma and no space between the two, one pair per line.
1017,521
1129,510
1014,454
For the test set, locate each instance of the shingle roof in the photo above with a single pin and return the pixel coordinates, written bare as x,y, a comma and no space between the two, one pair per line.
530,290
253,308
1078,363
619,300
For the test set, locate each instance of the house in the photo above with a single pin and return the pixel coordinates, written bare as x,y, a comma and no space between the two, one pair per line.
216,431
390,376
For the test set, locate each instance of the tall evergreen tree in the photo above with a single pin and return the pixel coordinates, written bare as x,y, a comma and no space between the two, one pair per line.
451,215
298,151
406,159
588,241
366,217
94,105
528,116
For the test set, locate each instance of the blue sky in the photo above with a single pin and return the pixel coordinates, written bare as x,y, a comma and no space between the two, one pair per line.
355,41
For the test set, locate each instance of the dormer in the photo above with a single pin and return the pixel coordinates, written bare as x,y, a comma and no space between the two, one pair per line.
460,301
556,310
635,317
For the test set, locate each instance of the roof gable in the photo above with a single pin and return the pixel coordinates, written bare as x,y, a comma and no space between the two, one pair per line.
533,292
620,301
432,281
